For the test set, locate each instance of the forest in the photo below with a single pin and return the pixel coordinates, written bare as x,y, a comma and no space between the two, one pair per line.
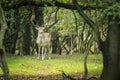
43,39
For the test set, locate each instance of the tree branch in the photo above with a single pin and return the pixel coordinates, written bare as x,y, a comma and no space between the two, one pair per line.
43,4
86,18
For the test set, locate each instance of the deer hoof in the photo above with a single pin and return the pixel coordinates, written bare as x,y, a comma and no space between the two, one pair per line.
42,58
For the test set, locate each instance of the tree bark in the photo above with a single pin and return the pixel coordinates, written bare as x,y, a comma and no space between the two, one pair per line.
3,27
27,40
111,52
3,65
24,42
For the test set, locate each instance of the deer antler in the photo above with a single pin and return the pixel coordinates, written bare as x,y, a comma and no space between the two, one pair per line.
33,18
51,15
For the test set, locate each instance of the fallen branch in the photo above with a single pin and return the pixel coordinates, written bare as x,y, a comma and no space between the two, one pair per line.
65,76
92,78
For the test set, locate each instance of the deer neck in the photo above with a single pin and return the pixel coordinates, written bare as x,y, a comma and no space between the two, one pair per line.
41,38
41,34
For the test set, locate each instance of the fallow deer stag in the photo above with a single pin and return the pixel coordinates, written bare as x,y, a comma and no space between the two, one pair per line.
43,40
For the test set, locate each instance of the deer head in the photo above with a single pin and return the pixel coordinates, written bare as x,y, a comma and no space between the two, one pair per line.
40,29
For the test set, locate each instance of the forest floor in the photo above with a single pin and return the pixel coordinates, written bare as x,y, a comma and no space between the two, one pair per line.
30,68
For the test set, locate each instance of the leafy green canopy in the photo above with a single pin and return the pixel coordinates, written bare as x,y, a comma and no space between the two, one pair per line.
113,10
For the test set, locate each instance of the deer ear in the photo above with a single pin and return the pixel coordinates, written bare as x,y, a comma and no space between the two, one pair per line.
36,28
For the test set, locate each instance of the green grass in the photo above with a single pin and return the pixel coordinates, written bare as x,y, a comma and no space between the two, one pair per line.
73,64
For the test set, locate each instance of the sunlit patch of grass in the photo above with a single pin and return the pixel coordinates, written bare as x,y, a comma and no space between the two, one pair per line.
70,64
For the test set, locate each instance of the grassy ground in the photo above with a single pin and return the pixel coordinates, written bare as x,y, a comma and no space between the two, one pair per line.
70,64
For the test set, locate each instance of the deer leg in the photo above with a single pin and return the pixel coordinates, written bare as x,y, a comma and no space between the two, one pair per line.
45,51
49,51
38,52
42,53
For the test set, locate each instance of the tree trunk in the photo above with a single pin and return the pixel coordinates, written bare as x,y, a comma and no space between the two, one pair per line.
3,27
27,40
3,65
111,52
55,42
39,16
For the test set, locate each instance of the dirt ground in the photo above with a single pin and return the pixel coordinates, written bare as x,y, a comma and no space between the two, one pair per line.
21,77
50,77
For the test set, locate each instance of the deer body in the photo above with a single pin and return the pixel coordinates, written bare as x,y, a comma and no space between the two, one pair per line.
43,42
43,38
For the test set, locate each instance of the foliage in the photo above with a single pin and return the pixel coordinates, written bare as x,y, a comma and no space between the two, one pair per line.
11,13
113,10
66,21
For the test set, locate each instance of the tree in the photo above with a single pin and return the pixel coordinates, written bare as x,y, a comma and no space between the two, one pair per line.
110,46
3,27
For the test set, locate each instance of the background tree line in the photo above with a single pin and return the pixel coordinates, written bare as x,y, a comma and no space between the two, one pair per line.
66,34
